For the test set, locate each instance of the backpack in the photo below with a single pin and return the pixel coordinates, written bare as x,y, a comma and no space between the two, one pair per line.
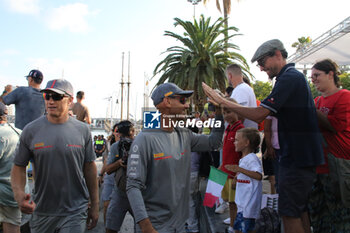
268,222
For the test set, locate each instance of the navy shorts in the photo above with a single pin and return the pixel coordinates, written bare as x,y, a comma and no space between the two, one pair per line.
294,185
243,224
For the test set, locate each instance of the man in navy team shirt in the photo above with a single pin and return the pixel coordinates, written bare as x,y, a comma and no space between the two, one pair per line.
301,152
28,101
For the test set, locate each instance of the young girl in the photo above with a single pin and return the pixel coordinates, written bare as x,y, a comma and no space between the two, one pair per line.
248,183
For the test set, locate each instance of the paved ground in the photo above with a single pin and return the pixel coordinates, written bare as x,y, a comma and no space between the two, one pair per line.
128,225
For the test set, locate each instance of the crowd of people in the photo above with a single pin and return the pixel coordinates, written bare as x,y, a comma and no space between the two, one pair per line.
155,175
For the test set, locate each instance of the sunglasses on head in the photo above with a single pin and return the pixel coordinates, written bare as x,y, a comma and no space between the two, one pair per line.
182,99
54,96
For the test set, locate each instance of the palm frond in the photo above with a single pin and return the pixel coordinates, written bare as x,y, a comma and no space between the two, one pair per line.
218,5
201,55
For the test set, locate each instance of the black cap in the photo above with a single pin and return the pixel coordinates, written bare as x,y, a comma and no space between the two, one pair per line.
35,74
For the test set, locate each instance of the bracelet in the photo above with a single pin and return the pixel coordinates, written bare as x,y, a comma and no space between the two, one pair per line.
100,174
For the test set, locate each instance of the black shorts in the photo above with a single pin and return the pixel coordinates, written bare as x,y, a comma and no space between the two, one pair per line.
269,166
294,185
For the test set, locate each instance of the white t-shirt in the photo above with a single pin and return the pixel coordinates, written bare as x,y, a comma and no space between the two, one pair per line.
248,190
245,96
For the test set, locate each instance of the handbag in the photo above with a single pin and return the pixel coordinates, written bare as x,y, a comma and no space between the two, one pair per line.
120,179
339,173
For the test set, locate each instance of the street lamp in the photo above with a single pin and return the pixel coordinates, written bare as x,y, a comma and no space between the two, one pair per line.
194,3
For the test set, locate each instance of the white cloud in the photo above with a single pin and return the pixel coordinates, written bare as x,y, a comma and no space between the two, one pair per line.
24,6
71,17
10,52
5,63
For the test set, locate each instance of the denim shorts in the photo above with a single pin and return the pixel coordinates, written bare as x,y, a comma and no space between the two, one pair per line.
243,224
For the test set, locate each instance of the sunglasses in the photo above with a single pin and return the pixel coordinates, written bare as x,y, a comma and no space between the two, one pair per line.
261,62
54,96
182,99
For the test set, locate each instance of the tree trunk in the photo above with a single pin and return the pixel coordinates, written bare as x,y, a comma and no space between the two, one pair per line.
226,23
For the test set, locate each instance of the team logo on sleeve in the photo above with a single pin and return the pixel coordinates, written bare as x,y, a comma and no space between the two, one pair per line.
151,119
271,100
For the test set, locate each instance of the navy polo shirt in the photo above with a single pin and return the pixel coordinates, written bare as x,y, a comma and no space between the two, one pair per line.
298,133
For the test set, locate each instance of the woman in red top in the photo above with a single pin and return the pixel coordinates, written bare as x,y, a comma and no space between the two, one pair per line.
327,212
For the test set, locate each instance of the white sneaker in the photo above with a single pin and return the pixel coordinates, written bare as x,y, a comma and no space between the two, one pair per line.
221,209
227,221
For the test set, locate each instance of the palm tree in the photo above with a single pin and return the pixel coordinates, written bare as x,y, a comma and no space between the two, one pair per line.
203,57
227,10
302,43
226,5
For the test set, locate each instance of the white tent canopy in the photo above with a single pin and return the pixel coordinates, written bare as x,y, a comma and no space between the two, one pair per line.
334,44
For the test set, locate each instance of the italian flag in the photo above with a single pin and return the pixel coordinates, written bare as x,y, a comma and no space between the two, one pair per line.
215,185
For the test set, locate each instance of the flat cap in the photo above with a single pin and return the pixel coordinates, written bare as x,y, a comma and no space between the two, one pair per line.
267,47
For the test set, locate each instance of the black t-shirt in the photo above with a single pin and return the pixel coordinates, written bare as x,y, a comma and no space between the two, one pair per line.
298,133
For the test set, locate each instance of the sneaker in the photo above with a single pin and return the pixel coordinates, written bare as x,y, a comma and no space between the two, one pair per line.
221,209
228,230
227,221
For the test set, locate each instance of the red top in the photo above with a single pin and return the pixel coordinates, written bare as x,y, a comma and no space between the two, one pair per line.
229,154
337,109
261,124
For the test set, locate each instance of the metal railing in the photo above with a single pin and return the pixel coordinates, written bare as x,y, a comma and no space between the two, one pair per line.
320,42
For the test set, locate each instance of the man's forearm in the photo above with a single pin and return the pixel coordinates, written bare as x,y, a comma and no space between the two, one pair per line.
257,114
90,173
110,168
146,225
18,181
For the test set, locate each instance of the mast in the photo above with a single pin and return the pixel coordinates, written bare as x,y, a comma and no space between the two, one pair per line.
128,83
122,89
146,90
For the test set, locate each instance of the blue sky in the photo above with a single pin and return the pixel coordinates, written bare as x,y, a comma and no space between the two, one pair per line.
82,40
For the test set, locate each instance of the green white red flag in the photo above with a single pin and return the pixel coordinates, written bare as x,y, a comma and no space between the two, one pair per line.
216,182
